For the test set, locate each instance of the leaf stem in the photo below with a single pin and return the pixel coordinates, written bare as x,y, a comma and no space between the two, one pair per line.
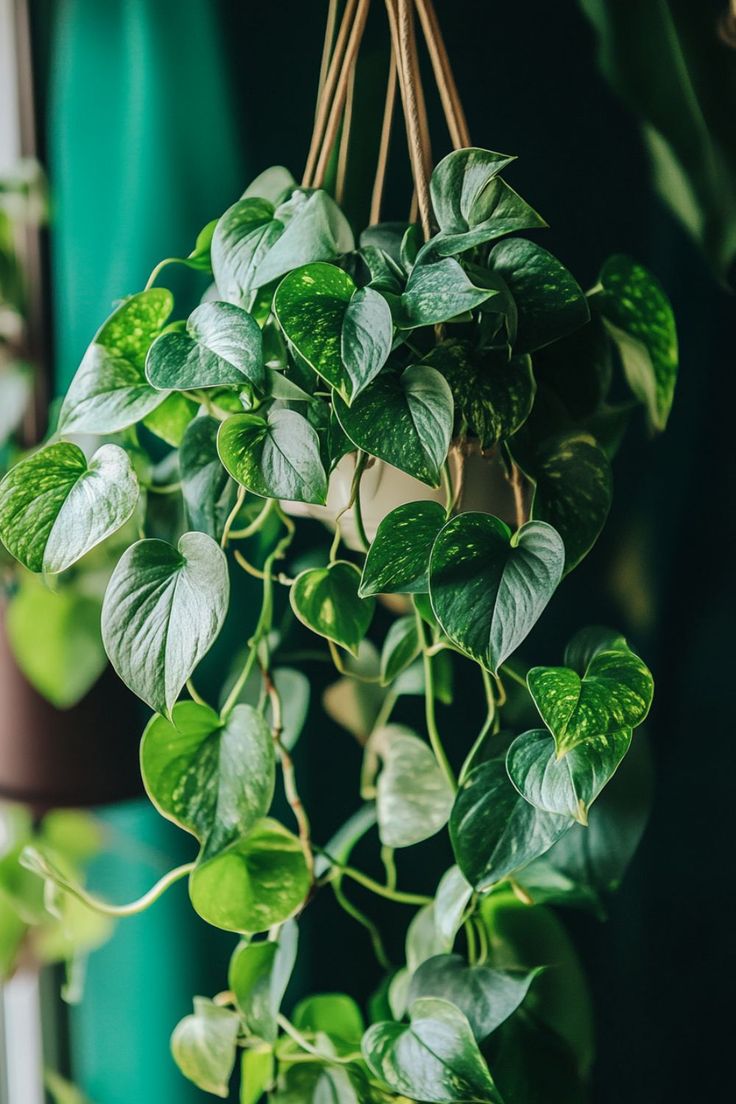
429,705
389,865
257,523
449,489
239,499
193,693
352,910
396,895
296,1035
158,270
486,727
514,675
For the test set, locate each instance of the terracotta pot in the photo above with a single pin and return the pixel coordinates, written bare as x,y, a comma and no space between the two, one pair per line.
87,755
480,478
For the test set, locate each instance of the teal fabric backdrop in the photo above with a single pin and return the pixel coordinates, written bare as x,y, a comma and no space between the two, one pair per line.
142,152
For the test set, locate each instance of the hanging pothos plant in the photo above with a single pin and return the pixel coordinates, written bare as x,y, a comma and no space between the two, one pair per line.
445,354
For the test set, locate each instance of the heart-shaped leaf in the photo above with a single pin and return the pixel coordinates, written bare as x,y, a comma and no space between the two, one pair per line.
493,394
473,204
213,778
207,489
258,976
170,420
578,368
450,901
486,996
222,347
110,390
55,507
495,831
335,1014
572,491
275,184
398,558
163,608
400,648
434,1058
488,588
255,243
549,301
258,882
275,457
204,1046
414,798
405,419
569,785
438,291
342,332
639,317
606,688
326,600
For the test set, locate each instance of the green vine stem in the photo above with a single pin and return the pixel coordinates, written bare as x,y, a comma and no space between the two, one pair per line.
429,705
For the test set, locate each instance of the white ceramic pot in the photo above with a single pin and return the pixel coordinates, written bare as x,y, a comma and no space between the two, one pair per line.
479,479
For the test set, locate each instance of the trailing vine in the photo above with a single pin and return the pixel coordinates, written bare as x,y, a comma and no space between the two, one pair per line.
467,358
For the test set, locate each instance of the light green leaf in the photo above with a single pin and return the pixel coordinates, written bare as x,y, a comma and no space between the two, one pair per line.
603,689
398,558
275,457
434,1058
569,785
258,976
486,996
206,487
495,831
473,204
414,798
55,507
255,243
293,687
110,390
162,610
572,491
170,420
55,639
213,779
488,588
342,332
493,394
400,648
405,419
639,318
326,600
451,899
436,292
550,303
274,184
257,1071
203,1046
335,1014
260,881
222,346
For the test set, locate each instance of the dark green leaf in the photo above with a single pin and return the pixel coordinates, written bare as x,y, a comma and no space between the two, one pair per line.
326,600
473,204
204,1045
486,996
495,831
206,487
572,491
255,243
567,785
488,588
606,688
400,648
258,976
403,419
260,881
414,798
344,333
398,558
55,506
493,394
435,1058
213,779
222,346
275,457
438,292
549,302
578,368
163,608
639,318
110,390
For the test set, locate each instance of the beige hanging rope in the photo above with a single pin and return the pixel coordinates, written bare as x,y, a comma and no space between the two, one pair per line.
443,75
384,145
401,15
342,157
327,90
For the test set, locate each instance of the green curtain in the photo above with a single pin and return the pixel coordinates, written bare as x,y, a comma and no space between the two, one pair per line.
142,152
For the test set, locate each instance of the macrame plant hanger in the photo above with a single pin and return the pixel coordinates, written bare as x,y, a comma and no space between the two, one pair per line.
336,91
